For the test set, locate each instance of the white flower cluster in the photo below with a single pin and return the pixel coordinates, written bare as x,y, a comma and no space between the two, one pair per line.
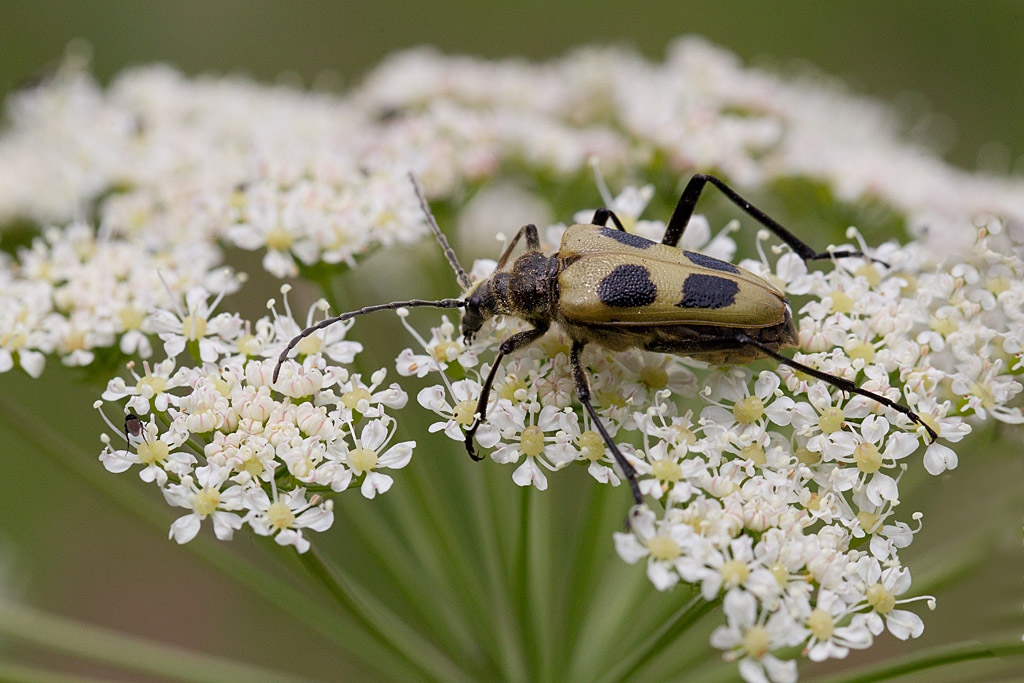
777,493
225,443
777,490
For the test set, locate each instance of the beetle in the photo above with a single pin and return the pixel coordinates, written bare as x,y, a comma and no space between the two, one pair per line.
610,287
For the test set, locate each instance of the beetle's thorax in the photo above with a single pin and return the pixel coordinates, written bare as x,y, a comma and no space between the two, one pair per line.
526,291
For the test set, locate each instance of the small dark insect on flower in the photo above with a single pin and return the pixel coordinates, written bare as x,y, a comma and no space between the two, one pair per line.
133,427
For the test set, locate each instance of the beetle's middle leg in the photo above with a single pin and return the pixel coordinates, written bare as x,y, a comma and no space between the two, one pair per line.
532,243
510,345
688,202
583,393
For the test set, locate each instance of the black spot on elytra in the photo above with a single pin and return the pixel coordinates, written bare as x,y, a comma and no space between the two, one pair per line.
705,261
708,291
627,238
628,286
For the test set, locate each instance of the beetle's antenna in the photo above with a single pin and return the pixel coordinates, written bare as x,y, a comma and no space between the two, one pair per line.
411,303
449,254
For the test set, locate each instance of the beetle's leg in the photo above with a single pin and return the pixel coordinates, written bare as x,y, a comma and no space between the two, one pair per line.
532,243
583,393
688,201
838,382
510,345
601,217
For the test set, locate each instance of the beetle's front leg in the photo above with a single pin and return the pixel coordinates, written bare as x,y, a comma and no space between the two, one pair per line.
688,202
510,345
583,393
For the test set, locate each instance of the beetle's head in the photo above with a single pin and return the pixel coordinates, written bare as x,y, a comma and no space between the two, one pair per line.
480,307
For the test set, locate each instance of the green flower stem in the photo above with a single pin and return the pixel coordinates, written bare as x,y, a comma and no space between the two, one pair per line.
298,604
931,659
388,627
659,639
508,649
130,653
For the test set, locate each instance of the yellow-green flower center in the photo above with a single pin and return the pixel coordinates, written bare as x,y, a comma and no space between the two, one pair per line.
748,410
841,302
867,457
880,599
868,520
193,327
592,445
870,273
862,350
684,435
654,377
464,412
350,399
666,470
247,344
446,351
279,239
206,501
754,452
663,548
807,456
755,641
280,515
310,345
831,420
508,392
532,440
734,573
820,624
157,384
780,573
153,451
131,317
362,459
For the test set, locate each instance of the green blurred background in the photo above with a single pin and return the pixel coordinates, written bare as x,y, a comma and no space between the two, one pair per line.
952,68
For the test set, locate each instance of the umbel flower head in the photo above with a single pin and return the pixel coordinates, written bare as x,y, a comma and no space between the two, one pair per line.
767,490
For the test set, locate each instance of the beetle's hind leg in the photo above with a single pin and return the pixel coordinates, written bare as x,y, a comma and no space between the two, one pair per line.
583,393
601,217
688,202
838,382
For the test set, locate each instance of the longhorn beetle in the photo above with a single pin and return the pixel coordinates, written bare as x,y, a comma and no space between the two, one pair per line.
611,287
